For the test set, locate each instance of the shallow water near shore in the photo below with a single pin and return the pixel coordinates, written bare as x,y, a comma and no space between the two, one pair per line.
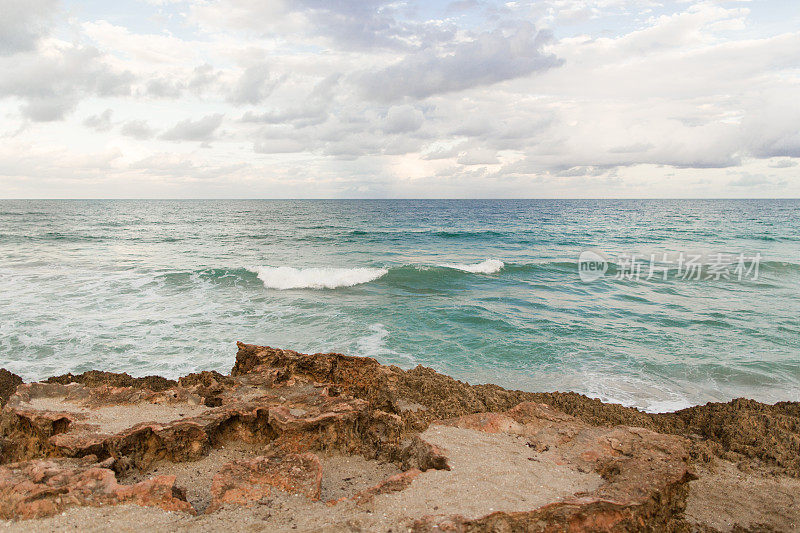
486,291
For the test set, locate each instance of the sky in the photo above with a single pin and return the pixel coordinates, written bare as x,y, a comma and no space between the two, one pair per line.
399,99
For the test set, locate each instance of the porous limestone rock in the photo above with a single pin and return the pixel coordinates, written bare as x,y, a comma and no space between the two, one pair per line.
68,440
246,481
44,487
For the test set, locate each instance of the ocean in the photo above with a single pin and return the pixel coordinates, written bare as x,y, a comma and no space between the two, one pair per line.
657,304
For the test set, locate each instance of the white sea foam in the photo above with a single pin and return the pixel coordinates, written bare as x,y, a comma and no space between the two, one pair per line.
642,392
374,345
490,266
283,278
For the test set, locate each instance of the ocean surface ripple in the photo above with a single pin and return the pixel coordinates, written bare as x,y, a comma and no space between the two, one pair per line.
486,291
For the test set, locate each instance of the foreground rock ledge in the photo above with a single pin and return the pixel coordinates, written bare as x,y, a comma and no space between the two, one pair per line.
467,458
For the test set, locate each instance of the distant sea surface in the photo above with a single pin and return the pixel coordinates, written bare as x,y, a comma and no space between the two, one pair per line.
485,291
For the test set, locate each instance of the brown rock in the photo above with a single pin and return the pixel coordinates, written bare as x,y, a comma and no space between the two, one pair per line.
393,483
210,386
56,420
94,378
422,455
246,481
765,435
644,472
288,404
8,384
34,489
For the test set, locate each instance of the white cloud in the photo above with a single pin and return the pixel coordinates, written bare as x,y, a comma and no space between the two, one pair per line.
365,25
478,156
784,163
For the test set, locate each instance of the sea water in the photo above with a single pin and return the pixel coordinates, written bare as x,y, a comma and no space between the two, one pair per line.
485,290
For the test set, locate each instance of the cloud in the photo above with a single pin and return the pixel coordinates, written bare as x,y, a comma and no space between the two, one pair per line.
202,77
403,119
489,58
153,50
747,179
783,163
49,108
164,88
137,129
253,86
280,146
40,164
580,171
312,110
300,116
631,148
367,25
53,82
770,129
101,122
194,130
185,168
478,156
408,98
23,23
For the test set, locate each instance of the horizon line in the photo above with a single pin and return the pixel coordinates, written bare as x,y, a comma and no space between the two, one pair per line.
397,199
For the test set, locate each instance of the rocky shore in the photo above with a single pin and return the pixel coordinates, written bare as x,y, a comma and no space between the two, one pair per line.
289,441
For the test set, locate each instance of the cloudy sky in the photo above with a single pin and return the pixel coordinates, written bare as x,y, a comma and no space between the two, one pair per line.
371,98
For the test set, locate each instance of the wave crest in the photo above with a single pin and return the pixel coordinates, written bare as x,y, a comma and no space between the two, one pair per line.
283,278
490,266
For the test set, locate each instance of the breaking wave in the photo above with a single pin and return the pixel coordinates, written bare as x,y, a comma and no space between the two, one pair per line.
283,278
490,266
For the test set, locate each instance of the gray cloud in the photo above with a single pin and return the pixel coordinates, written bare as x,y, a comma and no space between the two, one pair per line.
194,130
164,88
23,23
138,129
53,84
202,77
403,119
311,111
101,122
489,58
254,85
49,108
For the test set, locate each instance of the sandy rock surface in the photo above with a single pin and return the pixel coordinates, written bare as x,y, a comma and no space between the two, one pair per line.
290,441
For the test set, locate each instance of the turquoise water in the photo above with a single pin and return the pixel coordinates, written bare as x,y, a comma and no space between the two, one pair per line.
486,291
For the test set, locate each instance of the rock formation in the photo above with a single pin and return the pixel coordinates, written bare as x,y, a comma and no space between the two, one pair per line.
466,458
